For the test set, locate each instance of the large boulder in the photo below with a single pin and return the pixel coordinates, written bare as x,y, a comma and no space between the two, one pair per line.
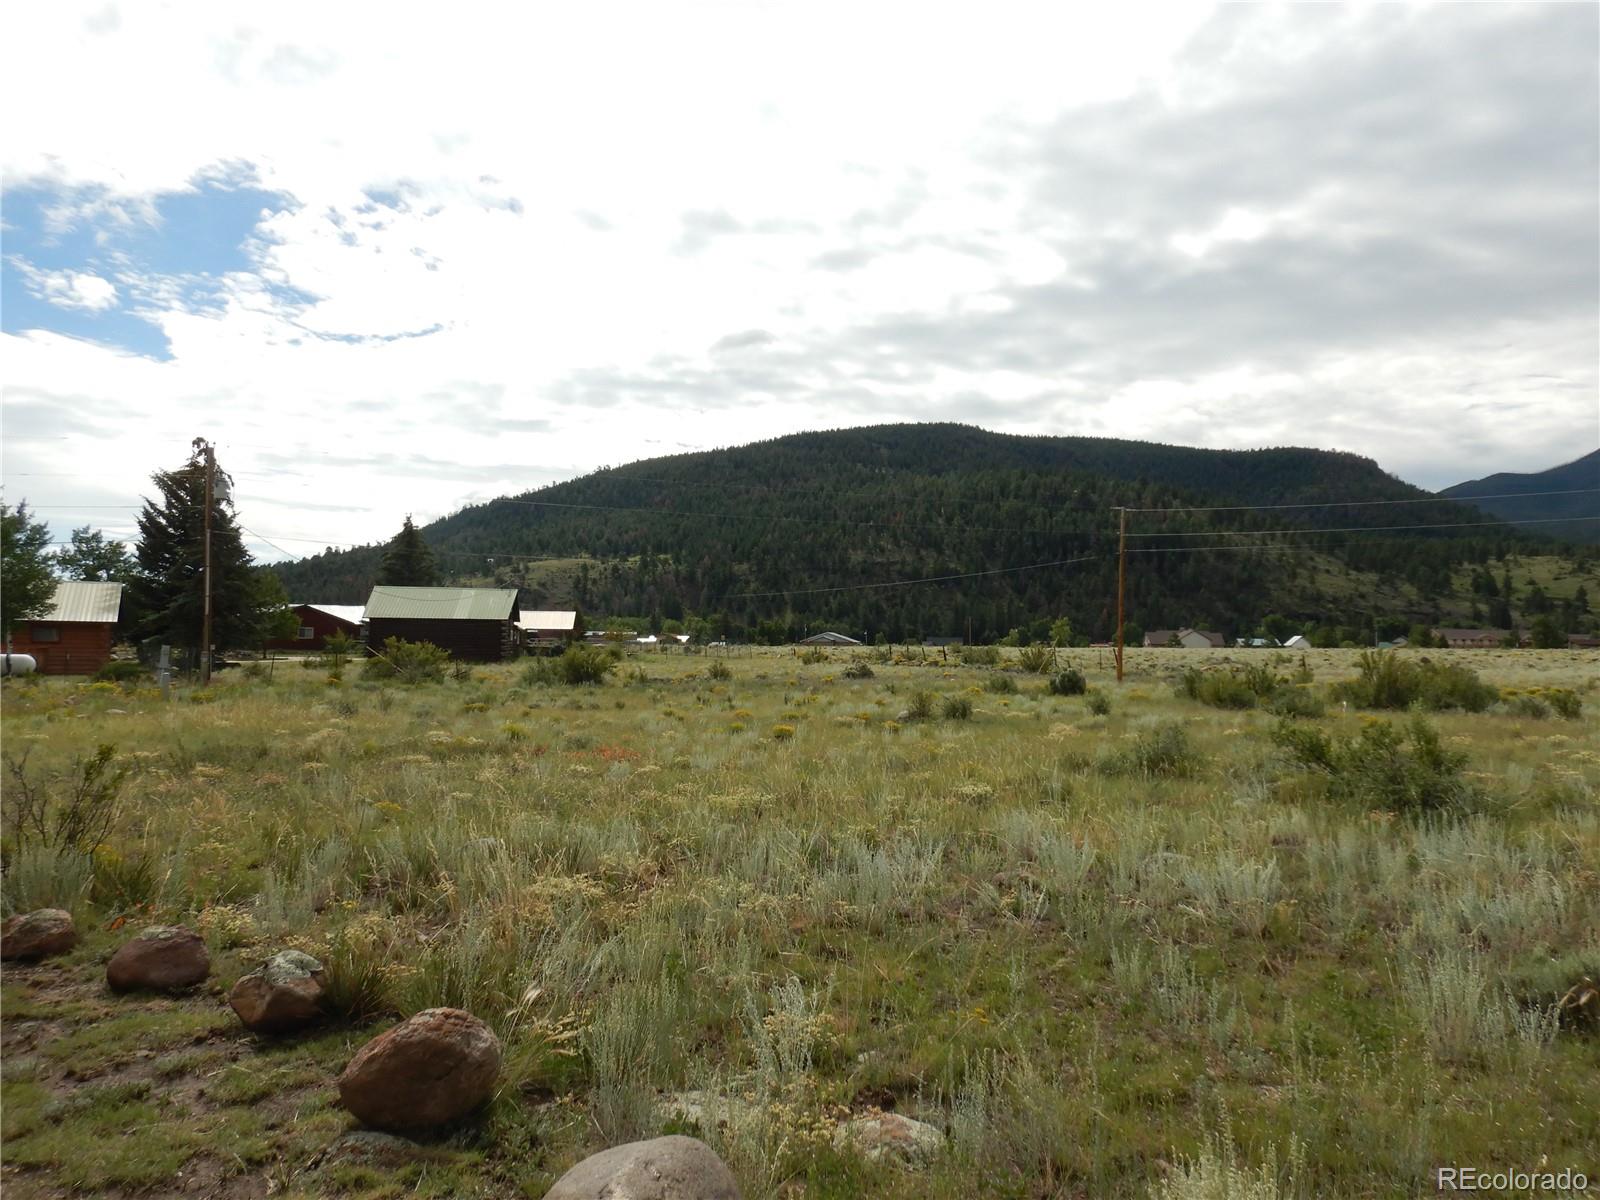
664,1168
428,1070
164,958
284,993
38,934
881,1135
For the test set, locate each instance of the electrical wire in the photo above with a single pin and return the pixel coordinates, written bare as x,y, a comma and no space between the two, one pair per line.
856,587
1356,503
1359,528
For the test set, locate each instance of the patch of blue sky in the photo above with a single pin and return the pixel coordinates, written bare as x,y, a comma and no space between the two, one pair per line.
172,251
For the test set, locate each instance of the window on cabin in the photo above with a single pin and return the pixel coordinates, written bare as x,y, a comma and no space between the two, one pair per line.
45,633
306,633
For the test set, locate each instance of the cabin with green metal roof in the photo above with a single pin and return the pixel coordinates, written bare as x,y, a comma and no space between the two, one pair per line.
474,624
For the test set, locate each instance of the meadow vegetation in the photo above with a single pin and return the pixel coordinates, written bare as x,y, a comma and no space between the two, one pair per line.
1250,924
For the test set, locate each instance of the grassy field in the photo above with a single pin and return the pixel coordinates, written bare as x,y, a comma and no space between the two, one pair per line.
1140,951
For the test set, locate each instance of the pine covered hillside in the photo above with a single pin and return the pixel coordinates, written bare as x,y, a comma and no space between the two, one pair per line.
1574,484
799,532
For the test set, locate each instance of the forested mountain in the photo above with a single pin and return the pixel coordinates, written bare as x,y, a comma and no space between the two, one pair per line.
805,531
1569,479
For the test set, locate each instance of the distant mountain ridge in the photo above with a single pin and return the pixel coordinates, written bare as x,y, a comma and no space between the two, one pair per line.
818,529
1568,478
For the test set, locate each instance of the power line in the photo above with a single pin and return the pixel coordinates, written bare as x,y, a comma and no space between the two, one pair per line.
856,587
1359,528
1360,503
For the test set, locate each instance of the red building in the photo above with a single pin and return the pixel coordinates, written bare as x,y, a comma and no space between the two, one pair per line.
75,636
318,623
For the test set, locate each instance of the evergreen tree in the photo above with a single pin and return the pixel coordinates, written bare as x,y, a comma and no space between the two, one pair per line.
407,560
26,584
92,557
167,594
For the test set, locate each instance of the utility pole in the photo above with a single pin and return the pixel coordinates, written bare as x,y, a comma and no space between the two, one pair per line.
1122,579
204,447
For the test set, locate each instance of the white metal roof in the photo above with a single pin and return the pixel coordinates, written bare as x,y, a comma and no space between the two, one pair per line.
546,618
79,600
344,612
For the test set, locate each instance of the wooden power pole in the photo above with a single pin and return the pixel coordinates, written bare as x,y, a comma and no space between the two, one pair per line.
1122,579
205,624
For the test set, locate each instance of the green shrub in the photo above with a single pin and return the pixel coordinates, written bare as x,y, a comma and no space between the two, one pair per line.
956,708
920,706
1099,703
121,670
1068,683
980,656
407,662
813,655
1001,685
1037,659
1244,687
1381,767
1567,703
584,665
1296,702
858,670
1164,752
1528,706
1387,680
719,670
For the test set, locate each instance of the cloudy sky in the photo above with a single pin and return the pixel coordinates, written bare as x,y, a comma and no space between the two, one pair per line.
397,257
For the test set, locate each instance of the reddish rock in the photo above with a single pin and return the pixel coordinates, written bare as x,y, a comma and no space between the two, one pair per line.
164,958
664,1168
38,934
283,994
428,1070
890,1135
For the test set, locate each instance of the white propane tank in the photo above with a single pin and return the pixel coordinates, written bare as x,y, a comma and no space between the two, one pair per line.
18,664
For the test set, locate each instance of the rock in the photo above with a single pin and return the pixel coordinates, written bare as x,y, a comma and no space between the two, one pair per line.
38,934
284,993
428,1070
664,1168
163,958
879,1135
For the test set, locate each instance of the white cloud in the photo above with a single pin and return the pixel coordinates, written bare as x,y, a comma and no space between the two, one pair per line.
68,289
923,212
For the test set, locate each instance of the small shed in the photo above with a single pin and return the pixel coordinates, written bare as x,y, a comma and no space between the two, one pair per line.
547,629
74,636
1298,642
828,639
474,624
318,623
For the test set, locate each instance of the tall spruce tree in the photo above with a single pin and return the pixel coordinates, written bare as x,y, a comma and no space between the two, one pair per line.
408,560
26,584
167,594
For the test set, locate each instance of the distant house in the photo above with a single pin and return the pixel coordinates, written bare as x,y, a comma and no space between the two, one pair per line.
474,624
1298,642
1475,639
1254,643
1582,641
74,635
1188,639
547,629
318,623
828,639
